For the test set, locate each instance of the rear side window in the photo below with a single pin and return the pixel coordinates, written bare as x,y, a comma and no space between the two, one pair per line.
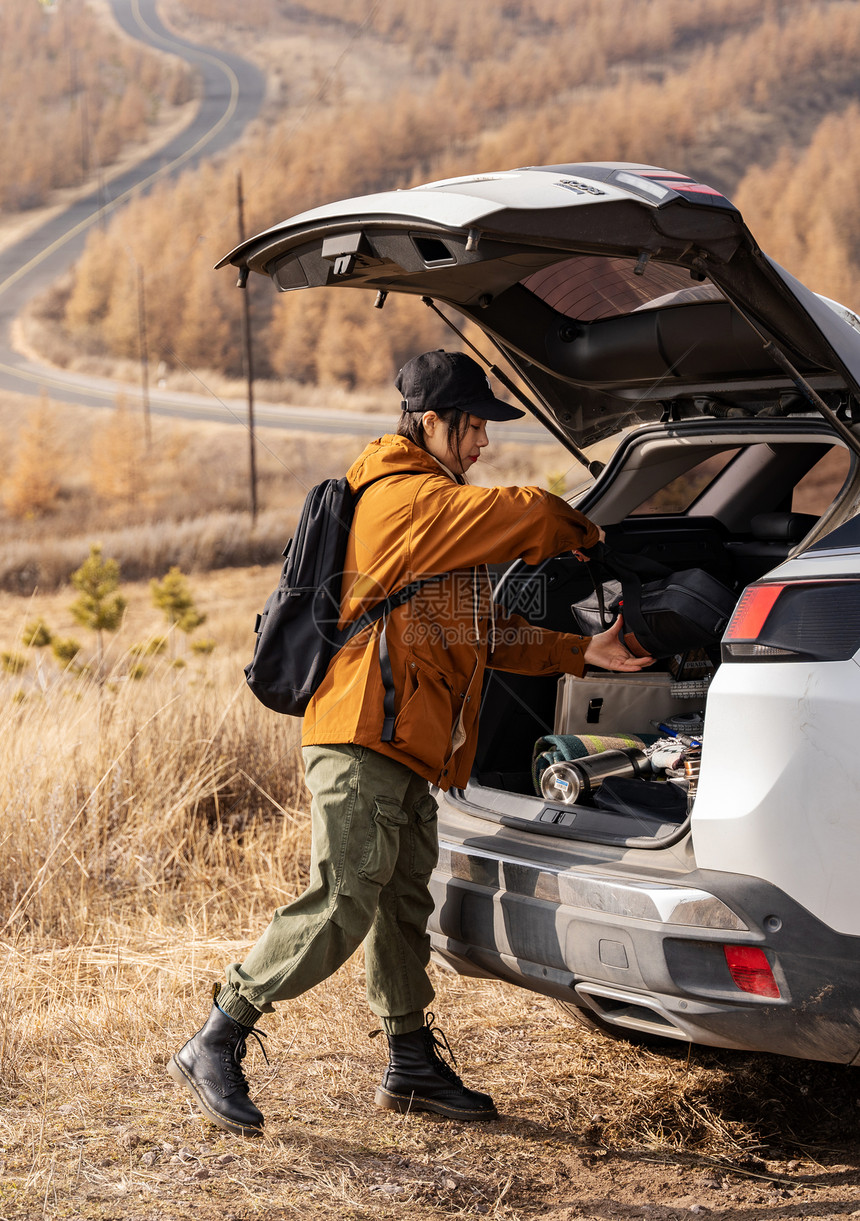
680,495
817,490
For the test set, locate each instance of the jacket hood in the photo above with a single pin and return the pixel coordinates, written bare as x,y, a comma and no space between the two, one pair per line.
390,455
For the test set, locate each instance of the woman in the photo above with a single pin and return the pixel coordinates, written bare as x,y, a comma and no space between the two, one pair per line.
369,766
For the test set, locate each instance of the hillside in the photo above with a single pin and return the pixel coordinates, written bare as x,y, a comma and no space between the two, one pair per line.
74,95
743,96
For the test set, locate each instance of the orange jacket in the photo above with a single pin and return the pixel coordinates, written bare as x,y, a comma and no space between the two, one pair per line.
413,525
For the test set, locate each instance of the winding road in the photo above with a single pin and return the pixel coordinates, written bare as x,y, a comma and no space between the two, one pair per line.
232,93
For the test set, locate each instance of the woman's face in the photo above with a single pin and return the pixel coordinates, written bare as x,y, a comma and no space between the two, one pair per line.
472,439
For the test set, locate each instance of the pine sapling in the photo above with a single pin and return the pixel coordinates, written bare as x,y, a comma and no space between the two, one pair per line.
36,634
99,607
173,597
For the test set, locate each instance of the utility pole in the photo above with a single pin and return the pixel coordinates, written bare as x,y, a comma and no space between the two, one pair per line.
144,355
249,360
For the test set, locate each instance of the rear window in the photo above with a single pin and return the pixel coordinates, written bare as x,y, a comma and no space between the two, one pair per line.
680,495
590,286
818,488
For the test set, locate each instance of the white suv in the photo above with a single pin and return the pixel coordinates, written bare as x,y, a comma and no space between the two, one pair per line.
633,303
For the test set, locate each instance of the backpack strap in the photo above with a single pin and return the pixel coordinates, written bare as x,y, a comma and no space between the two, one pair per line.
389,707
389,710
381,611
384,609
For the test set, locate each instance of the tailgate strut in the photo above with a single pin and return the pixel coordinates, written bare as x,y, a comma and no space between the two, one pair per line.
809,392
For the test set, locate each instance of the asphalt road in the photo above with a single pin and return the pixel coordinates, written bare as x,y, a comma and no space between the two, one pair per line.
232,93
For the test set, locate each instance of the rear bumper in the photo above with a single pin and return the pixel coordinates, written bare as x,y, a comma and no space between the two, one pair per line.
645,951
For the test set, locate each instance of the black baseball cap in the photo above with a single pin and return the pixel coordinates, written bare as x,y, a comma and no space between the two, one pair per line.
445,381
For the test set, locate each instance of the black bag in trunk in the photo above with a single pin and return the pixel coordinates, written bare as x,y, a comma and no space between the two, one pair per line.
672,614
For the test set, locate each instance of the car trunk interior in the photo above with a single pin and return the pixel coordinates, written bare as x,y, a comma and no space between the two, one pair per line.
731,499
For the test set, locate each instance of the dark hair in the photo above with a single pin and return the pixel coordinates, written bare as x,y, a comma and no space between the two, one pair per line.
411,426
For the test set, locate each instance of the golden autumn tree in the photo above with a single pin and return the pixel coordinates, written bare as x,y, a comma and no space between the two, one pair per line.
90,295
33,484
812,233
117,463
208,332
476,88
121,323
290,340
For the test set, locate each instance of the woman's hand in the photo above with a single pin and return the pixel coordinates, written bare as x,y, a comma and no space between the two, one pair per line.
610,653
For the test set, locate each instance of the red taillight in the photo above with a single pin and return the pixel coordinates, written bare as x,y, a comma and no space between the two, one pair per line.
751,970
752,610
796,621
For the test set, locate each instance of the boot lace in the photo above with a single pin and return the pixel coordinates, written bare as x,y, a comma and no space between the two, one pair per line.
232,1057
437,1043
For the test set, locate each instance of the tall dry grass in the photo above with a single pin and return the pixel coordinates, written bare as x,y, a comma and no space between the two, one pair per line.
148,549
148,811
128,799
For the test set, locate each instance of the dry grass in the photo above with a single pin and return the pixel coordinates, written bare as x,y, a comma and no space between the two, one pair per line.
188,494
197,545
149,828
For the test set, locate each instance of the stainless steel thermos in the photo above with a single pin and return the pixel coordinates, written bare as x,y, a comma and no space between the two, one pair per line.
571,780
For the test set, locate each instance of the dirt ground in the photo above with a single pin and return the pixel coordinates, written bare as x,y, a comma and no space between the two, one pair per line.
589,1129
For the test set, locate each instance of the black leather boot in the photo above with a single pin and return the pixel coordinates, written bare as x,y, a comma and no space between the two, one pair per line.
419,1079
210,1068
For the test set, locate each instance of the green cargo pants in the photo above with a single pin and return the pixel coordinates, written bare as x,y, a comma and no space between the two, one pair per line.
374,846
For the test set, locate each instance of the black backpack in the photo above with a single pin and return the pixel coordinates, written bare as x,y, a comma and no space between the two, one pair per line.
297,633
